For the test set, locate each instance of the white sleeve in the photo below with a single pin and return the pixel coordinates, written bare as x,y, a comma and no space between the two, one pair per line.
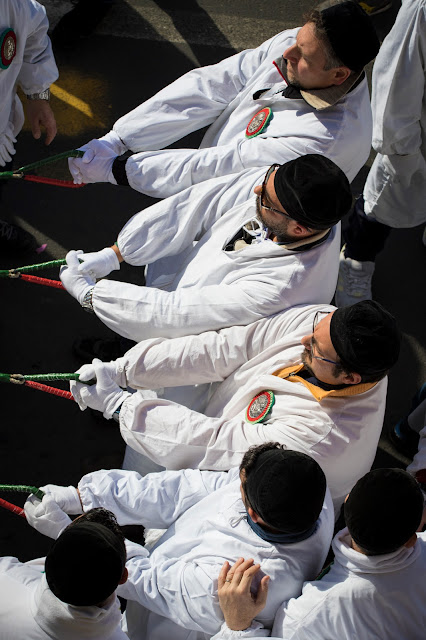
398,84
161,174
38,69
176,437
138,313
170,226
184,592
209,357
155,500
191,102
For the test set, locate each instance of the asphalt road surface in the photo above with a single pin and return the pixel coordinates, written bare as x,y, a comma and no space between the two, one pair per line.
139,47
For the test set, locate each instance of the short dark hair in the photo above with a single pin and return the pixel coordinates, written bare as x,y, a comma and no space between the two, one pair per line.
85,564
331,59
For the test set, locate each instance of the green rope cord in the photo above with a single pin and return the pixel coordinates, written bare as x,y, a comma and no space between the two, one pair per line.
19,378
23,488
74,153
5,273
51,376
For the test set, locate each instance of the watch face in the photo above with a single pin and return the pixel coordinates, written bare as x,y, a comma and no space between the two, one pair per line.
7,47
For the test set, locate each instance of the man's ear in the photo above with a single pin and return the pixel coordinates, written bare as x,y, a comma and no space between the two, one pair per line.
253,515
298,230
124,576
340,75
352,378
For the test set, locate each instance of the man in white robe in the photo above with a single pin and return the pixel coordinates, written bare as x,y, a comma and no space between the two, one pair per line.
374,587
312,378
172,590
70,594
302,91
216,259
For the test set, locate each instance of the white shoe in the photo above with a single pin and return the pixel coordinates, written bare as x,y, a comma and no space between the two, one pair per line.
354,283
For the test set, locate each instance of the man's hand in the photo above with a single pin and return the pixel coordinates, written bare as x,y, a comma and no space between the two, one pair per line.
105,395
46,516
87,372
99,264
96,164
67,498
238,604
40,113
74,282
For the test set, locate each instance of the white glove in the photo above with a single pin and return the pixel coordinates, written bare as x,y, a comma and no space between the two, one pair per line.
99,263
96,164
46,516
66,498
74,282
117,375
7,150
105,395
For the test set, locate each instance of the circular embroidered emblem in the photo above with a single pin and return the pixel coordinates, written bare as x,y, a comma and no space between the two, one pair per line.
259,122
260,406
7,47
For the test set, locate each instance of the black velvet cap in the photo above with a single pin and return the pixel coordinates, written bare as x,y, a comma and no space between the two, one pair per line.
351,34
286,489
383,510
313,191
85,564
366,337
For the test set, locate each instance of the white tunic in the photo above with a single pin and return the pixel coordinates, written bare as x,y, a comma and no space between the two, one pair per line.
176,583
395,191
361,597
193,284
372,597
341,432
30,611
33,67
223,96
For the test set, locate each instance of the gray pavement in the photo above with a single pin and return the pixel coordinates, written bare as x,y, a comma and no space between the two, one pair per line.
140,47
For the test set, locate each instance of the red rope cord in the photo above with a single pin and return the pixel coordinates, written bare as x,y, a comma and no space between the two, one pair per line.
37,280
54,181
43,387
12,507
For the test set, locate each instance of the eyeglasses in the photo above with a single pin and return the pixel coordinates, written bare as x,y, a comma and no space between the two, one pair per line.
316,320
262,193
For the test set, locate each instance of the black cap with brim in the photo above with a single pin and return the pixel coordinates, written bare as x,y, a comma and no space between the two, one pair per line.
313,191
366,338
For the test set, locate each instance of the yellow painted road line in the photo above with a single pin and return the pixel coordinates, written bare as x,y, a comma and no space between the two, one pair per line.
72,100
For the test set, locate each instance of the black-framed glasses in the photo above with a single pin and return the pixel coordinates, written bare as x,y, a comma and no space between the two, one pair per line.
262,193
314,324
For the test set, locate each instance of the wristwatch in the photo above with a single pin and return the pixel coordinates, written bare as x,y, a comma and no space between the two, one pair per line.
43,95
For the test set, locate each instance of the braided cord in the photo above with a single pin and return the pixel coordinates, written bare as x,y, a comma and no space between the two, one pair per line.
18,173
52,390
56,284
23,488
12,507
10,273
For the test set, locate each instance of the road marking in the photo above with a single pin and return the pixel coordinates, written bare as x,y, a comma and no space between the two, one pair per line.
72,100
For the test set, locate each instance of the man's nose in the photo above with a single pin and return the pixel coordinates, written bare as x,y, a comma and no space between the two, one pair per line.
291,53
306,342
